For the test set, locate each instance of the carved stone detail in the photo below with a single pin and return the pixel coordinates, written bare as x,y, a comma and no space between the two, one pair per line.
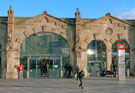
109,31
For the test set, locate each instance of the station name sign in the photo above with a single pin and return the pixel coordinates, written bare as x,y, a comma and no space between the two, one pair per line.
121,53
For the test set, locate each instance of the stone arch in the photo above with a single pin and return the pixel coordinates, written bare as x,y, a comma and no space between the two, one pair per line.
126,41
22,36
36,29
96,40
24,29
49,44
20,41
87,42
127,53
96,57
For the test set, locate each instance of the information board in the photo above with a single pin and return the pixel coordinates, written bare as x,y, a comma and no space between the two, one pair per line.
121,61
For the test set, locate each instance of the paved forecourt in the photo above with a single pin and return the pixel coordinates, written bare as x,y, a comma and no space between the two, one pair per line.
44,85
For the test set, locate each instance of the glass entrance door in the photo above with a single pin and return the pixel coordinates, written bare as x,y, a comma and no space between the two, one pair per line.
34,69
54,68
45,67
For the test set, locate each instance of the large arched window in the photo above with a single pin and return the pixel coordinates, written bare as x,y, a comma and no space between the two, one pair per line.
115,53
96,56
48,53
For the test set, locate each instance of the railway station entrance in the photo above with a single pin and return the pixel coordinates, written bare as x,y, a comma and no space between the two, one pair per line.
43,66
44,55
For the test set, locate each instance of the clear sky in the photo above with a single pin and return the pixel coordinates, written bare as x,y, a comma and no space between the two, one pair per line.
66,8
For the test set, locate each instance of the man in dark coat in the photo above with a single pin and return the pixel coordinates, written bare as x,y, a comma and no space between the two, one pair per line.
80,76
70,69
66,70
114,69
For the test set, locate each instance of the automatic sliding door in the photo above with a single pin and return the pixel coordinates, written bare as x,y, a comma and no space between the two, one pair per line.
52,70
34,68
57,68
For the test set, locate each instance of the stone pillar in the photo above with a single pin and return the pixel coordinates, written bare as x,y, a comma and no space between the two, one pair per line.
132,61
81,54
13,54
78,58
78,26
82,61
3,63
109,58
71,57
13,58
78,37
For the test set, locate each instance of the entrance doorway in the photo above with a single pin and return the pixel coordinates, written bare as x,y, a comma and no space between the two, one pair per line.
44,48
127,56
96,57
46,66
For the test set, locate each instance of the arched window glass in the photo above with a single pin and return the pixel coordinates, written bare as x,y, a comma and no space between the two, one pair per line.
115,53
96,56
43,49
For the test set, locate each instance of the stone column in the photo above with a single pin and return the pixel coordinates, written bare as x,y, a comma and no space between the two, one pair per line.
13,58
81,58
78,58
132,61
3,63
78,37
13,53
81,53
84,62
71,57
109,58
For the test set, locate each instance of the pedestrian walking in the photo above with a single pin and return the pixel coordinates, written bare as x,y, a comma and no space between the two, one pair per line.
114,69
70,69
66,70
76,72
21,71
80,77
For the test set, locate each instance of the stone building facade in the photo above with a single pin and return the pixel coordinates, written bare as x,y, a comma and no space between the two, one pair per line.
78,32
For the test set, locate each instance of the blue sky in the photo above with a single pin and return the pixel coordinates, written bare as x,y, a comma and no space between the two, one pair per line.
66,8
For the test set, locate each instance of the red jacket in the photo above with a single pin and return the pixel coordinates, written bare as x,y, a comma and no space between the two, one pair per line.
20,68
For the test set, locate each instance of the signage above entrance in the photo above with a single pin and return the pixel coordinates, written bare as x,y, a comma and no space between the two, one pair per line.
121,46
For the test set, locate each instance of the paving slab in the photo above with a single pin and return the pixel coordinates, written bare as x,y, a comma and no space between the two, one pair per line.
45,85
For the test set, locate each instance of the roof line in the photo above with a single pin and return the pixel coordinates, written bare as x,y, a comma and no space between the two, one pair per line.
112,17
60,20
120,20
